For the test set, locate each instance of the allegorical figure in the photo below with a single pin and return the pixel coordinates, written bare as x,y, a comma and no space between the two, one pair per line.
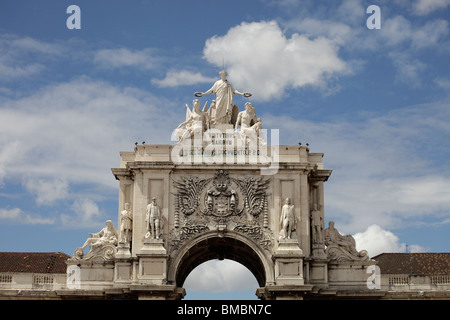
333,237
108,235
153,220
248,121
224,92
317,225
126,224
288,221
197,121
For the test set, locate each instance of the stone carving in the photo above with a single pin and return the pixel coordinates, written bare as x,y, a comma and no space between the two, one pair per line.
126,224
224,202
255,197
262,236
224,99
250,124
188,196
221,199
101,244
186,232
153,220
341,247
317,226
288,221
197,121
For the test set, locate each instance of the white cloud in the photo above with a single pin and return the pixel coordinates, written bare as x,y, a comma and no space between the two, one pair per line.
409,71
400,39
376,240
443,83
398,30
84,213
424,7
18,216
15,52
261,59
47,191
181,78
220,276
123,57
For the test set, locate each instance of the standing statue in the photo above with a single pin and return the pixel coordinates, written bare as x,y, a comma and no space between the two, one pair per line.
224,98
317,225
126,224
153,220
288,221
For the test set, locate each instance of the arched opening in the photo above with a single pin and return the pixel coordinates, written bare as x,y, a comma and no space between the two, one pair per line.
231,246
220,280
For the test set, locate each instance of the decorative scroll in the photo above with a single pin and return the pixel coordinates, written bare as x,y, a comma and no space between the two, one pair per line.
102,244
187,231
262,236
105,252
338,253
254,191
188,196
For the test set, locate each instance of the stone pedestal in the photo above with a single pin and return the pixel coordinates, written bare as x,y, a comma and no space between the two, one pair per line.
289,263
153,247
152,267
122,272
318,251
318,272
123,251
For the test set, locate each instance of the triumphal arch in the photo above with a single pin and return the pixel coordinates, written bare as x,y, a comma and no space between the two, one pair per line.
225,189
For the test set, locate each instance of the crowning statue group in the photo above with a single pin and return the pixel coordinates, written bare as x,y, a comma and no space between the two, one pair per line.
222,113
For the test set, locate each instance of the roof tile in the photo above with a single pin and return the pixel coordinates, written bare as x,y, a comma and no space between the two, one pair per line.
414,263
33,262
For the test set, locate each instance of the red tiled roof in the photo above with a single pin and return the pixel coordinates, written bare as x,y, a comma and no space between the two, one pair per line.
33,262
414,263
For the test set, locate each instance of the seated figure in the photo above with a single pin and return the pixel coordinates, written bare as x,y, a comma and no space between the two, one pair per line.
341,247
107,237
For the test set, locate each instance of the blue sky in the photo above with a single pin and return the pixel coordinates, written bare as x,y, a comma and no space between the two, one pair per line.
375,102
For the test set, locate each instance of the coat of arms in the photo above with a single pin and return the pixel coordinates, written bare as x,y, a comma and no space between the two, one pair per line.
221,199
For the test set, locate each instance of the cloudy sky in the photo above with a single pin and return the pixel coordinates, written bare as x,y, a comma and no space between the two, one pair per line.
376,102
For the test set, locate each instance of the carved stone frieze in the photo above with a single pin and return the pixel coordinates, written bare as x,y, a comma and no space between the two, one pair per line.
262,236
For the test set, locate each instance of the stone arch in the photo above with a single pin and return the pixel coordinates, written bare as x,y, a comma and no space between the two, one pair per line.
210,245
